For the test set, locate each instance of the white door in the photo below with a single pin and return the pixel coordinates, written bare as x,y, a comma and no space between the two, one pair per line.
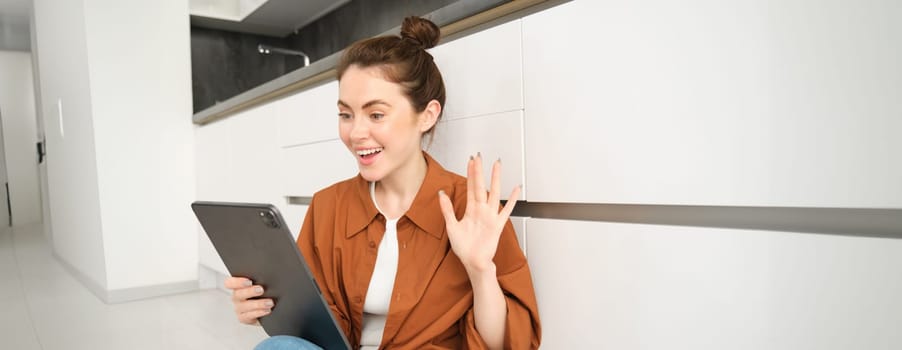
42,138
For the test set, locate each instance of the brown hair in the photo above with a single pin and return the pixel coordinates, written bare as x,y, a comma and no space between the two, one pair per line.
403,59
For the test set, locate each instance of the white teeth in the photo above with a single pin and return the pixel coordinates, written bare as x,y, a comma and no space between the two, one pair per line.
369,151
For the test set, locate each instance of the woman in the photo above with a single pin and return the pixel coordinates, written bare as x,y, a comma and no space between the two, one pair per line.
408,255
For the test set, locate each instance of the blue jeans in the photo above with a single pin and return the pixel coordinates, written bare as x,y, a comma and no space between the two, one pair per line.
286,342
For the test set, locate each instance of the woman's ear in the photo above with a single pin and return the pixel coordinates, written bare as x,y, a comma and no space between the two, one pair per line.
429,116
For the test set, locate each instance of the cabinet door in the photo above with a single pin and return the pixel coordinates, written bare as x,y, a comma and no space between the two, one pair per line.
482,72
294,216
519,224
631,286
715,103
213,161
308,116
255,157
213,152
310,168
495,136
236,161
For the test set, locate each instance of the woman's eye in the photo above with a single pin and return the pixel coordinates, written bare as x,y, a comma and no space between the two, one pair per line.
377,116
344,116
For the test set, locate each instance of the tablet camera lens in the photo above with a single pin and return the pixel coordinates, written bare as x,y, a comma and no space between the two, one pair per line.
269,219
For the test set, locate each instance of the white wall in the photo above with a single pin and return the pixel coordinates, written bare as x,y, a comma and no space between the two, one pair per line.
141,97
17,111
71,161
14,30
121,164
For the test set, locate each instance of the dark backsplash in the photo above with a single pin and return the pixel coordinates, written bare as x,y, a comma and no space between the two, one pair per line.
225,64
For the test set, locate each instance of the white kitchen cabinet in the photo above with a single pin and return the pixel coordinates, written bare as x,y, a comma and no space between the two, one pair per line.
294,215
309,168
212,154
482,72
255,157
735,103
629,286
308,116
519,224
237,161
213,161
495,136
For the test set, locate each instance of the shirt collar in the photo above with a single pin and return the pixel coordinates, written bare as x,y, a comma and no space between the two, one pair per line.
424,212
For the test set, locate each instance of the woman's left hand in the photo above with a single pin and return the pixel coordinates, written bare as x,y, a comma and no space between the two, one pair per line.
474,238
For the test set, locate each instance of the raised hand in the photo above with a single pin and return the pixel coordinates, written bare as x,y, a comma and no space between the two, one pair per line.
474,238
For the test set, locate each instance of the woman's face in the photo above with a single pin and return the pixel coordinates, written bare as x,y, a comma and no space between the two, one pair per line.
377,122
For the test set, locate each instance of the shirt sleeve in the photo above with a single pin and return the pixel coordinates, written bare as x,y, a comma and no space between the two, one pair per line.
522,329
309,249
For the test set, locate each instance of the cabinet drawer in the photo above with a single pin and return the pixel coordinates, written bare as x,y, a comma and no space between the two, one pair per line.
650,102
495,135
310,168
482,72
680,287
308,116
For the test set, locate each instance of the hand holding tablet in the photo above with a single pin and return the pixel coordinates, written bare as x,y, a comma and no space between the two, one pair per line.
248,307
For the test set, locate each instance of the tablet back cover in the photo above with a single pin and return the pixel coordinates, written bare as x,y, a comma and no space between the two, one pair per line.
254,242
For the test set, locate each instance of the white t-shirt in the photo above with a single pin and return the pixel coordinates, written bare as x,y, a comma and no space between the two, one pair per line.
378,295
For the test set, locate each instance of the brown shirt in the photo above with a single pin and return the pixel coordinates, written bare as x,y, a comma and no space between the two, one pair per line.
432,300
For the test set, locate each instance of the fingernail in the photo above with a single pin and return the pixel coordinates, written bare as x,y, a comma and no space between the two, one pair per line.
258,290
268,303
247,283
471,157
499,160
441,192
479,154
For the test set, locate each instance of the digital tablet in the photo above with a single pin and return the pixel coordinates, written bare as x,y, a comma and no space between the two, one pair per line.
254,242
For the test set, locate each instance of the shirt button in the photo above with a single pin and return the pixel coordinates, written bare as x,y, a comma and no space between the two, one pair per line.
357,300
372,244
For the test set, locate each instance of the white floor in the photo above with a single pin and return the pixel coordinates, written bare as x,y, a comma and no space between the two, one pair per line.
43,307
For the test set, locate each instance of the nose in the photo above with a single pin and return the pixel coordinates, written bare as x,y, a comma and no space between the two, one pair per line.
359,129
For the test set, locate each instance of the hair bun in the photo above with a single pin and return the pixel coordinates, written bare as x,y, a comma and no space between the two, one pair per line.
421,31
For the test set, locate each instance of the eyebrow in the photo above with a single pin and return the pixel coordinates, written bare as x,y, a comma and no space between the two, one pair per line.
365,105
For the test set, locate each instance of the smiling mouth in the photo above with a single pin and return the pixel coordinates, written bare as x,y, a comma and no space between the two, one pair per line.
369,153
